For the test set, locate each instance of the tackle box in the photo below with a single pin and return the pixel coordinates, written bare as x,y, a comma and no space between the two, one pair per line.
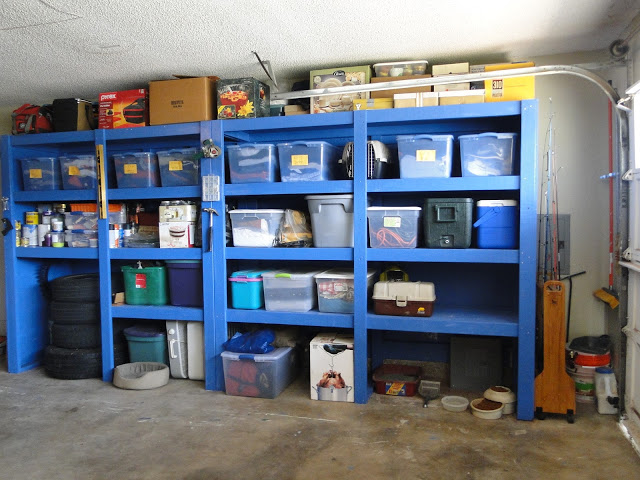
497,223
290,290
255,228
423,156
397,380
413,299
263,375
41,173
335,290
246,289
393,227
487,154
307,161
253,163
78,172
447,222
179,167
136,170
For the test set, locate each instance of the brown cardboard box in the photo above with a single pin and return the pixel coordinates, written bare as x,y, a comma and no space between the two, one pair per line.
182,100
372,103
390,93
461,97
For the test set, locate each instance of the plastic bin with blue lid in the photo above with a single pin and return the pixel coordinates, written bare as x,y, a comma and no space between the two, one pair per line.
136,170
246,289
253,163
41,173
336,292
497,223
179,167
307,161
146,344
425,155
78,172
487,154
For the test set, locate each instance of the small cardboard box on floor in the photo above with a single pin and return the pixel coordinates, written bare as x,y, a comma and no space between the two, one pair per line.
185,99
331,367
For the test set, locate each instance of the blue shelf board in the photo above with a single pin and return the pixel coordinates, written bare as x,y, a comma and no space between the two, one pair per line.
163,193
453,320
344,119
56,196
444,184
50,252
155,253
444,255
311,319
163,131
245,253
86,136
444,112
289,188
158,312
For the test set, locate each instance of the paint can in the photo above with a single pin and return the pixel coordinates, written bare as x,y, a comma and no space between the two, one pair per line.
31,218
30,235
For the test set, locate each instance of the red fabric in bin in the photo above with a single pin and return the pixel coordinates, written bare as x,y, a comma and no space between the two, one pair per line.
242,378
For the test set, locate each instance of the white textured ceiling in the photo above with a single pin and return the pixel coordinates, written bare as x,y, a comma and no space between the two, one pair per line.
68,48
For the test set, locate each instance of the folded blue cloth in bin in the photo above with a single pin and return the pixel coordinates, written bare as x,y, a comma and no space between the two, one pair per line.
253,342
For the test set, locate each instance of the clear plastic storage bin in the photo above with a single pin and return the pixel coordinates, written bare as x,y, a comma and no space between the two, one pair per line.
253,163
393,227
290,291
423,156
83,238
136,170
255,228
400,69
487,154
41,173
307,161
179,167
335,290
89,220
78,172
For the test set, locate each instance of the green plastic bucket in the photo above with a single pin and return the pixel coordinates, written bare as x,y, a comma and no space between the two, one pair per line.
145,286
146,345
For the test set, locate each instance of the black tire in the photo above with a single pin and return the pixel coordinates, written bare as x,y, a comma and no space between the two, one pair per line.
78,363
81,288
65,313
75,336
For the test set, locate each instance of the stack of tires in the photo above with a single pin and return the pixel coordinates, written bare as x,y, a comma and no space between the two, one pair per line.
75,350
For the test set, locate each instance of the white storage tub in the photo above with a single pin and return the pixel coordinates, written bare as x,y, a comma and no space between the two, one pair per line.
290,291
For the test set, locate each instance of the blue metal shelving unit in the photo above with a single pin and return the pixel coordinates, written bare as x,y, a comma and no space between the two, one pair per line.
515,318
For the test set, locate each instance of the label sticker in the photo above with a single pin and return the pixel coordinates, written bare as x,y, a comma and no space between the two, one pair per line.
497,88
175,165
130,168
299,160
141,280
73,170
396,388
425,155
35,173
392,222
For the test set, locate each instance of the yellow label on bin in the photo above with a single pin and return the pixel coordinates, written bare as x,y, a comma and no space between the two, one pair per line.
299,160
425,155
175,165
130,168
35,173
392,222
73,170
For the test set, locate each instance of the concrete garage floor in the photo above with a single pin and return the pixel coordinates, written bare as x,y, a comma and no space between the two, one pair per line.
87,429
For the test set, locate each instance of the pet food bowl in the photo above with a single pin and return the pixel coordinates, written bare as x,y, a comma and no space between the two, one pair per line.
487,409
503,395
453,403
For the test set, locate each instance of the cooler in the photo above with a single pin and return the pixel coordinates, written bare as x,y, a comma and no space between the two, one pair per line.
335,290
331,220
497,223
177,346
290,291
246,289
146,345
195,350
447,222
413,299
252,163
425,155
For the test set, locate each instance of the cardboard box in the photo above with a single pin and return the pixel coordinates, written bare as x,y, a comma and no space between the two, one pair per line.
181,100
451,69
510,88
337,77
461,98
391,92
294,110
331,367
420,99
243,98
123,109
372,103
176,234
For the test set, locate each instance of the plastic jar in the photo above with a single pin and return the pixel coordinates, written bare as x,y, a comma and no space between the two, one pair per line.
606,391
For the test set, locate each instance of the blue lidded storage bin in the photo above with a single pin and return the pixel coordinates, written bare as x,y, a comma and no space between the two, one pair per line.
41,173
307,161
179,167
423,156
487,154
246,289
78,172
185,282
253,163
497,223
146,344
136,170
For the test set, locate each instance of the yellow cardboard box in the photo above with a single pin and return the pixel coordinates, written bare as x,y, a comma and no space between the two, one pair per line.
508,88
372,103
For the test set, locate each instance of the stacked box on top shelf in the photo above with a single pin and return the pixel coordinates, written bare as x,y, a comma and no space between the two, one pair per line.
253,162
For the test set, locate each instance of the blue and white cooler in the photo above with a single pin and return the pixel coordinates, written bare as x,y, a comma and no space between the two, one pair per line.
497,223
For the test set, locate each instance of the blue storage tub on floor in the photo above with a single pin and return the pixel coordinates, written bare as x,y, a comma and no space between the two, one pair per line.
487,154
185,282
78,172
179,167
307,161
423,156
252,163
41,173
497,223
146,345
136,170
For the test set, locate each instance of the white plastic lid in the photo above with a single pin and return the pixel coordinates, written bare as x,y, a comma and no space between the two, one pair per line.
394,208
497,203
341,273
258,357
411,62
256,212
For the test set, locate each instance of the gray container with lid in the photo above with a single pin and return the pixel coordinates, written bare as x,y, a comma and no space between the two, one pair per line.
331,220
447,222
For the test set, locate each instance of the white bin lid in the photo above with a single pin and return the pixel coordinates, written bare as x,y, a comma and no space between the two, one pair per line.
497,203
292,274
394,208
258,357
341,273
256,212
412,291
